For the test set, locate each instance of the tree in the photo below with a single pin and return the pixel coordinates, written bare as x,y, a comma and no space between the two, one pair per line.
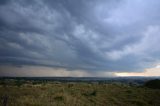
153,84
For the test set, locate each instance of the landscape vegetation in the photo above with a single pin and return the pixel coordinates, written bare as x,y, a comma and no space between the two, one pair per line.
27,92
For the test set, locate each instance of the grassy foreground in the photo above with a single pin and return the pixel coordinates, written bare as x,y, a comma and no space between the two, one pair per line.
77,94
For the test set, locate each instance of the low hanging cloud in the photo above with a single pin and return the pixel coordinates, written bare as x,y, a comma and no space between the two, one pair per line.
41,71
92,35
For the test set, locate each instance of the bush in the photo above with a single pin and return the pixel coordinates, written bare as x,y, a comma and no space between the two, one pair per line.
153,84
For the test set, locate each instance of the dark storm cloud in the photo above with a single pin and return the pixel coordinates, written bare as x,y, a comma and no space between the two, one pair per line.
106,35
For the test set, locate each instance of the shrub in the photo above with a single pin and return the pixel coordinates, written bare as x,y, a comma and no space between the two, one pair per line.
153,84
90,93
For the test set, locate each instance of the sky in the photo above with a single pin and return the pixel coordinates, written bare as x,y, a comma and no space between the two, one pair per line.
79,38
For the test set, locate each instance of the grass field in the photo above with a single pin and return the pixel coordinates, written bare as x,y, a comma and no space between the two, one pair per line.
77,94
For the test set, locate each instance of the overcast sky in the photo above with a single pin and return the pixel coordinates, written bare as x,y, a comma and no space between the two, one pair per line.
86,37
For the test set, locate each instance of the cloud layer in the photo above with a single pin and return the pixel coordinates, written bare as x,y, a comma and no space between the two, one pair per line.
92,35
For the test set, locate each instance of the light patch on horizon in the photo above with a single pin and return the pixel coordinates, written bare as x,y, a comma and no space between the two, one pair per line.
149,72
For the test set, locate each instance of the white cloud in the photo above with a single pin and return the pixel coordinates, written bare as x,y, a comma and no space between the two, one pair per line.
14,45
147,45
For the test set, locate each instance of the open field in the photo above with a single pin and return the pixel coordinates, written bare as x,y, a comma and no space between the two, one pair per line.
51,93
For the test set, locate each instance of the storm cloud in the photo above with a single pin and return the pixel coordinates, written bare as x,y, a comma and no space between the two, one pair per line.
92,35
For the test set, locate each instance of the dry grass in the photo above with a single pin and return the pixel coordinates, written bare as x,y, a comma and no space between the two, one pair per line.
79,94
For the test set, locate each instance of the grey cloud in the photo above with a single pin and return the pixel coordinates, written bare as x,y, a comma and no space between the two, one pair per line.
110,35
